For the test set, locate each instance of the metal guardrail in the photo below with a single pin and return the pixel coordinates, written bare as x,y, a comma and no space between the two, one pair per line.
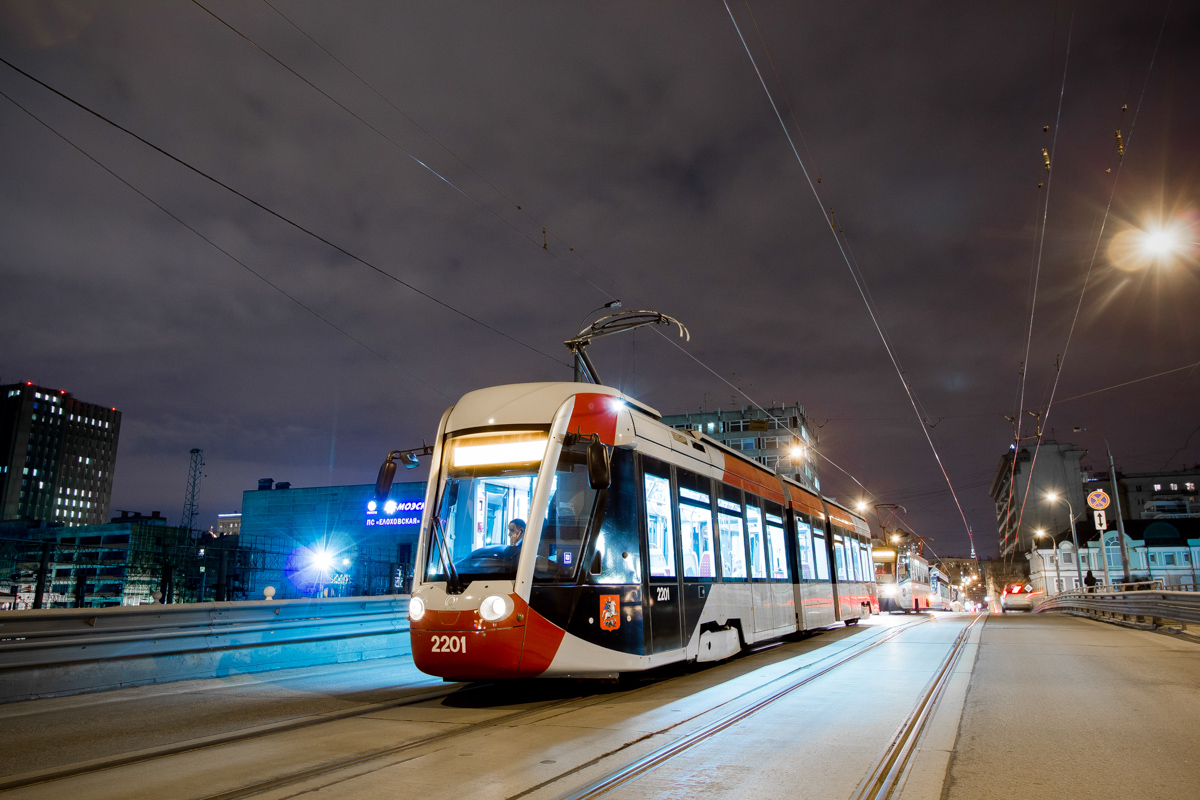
1145,602
62,651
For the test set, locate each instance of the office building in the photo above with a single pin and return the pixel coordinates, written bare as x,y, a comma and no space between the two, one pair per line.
329,540
781,438
57,456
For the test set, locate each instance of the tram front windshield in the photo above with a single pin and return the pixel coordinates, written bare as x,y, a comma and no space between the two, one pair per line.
484,505
486,502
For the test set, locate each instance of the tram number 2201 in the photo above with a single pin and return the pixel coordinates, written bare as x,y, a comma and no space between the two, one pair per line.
449,644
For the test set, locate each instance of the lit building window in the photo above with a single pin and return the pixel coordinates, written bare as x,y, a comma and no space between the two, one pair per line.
1158,487
1174,487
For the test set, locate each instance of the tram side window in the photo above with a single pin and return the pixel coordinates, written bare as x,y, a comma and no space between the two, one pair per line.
617,540
777,563
822,554
804,548
754,525
839,557
853,564
570,514
732,535
660,531
866,560
696,525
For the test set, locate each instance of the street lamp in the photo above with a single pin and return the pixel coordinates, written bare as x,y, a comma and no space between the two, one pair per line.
1116,490
1057,574
1054,497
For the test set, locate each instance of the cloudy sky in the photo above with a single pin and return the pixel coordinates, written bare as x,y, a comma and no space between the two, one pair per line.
435,142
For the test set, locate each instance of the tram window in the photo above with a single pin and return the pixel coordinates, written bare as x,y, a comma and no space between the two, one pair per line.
617,540
732,535
476,506
572,511
822,554
777,565
660,531
839,557
696,525
865,560
804,548
854,557
754,525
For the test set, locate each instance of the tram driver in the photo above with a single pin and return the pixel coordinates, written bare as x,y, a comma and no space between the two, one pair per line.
516,532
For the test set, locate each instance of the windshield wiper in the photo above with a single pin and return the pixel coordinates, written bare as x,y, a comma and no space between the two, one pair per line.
453,583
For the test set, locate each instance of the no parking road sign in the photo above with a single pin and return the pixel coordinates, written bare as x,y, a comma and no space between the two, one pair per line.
1098,499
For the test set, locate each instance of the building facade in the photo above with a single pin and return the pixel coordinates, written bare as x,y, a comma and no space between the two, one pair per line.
1057,470
1153,495
95,566
57,456
1159,549
782,438
330,540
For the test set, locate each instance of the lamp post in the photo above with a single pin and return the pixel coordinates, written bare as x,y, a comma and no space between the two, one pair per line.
1054,497
1057,574
1116,490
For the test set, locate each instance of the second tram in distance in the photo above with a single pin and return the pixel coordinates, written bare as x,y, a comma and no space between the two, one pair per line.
568,532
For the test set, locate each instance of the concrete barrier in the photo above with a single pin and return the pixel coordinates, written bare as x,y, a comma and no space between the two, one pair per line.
48,652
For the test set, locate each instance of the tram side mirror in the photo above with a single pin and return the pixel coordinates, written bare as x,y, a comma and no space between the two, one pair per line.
383,484
598,464
597,564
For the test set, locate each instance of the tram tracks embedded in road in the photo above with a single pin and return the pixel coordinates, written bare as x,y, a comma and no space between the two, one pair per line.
893,762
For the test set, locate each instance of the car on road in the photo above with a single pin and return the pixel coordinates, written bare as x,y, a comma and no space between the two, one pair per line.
1020,597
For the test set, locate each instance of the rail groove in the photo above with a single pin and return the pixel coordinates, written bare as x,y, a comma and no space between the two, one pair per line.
648,762
884,778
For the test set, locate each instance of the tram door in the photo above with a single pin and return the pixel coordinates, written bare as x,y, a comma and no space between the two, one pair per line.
661,542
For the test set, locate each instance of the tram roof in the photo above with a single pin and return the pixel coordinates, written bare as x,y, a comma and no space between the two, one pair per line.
527,403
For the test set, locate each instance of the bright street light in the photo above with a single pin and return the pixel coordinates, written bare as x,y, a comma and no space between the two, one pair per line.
1053,497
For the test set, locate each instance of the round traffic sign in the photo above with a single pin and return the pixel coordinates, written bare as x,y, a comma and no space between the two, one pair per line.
1098,499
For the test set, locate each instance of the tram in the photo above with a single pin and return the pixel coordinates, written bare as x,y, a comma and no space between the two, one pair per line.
905,581
568,532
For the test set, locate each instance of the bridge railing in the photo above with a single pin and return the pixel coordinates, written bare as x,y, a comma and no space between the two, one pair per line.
1143,602
64,651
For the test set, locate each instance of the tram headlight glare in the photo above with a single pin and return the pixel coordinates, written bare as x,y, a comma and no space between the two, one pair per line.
888,590
416,609
495,608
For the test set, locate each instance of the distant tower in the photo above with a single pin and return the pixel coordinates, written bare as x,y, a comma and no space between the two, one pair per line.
190,507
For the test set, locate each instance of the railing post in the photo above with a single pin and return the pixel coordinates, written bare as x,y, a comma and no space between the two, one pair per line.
43,572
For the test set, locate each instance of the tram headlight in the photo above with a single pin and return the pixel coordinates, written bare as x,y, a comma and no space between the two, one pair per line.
888,590
495,608
416,608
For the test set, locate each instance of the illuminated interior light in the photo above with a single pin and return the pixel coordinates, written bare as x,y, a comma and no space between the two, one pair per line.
512,452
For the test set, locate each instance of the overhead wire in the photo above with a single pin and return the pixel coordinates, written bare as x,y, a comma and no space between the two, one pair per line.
281,217
1037,271
508,198
857,282
412,156
221,249
1095,254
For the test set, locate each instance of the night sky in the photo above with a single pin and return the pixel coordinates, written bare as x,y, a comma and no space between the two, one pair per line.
639,135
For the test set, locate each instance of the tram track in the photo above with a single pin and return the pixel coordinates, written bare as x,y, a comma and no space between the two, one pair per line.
419,746
650,761
409,748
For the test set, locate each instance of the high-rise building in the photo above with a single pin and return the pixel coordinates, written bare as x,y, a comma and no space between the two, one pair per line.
56,456
780,438
1057,470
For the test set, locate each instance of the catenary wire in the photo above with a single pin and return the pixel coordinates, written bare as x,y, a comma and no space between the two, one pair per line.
533,240
508,198
1091,264
857,282
218,247
1037,272
278,215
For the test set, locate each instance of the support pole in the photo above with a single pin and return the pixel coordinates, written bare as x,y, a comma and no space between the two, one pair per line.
43,572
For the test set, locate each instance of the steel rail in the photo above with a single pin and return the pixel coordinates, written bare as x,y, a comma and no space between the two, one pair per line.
884,778
101,764
634,770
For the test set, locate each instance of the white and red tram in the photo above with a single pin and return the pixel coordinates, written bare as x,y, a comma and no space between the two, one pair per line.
643,545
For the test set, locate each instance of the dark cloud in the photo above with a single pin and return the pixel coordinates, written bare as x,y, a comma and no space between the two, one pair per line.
640,136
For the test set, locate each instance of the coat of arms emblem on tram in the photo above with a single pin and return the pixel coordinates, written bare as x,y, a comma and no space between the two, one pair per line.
610,612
